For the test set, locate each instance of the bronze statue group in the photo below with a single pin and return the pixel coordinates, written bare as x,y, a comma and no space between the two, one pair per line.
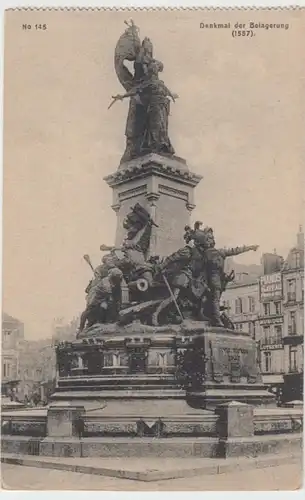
130,285
188,284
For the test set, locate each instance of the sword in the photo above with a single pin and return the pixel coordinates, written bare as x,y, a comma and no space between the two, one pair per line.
172,296
115,99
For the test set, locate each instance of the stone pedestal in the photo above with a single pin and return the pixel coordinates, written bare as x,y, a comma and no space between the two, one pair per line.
63,420
235,420
235,429
165,187
141,365
229,370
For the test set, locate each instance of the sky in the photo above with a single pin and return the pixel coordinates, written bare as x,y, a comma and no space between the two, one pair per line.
238,122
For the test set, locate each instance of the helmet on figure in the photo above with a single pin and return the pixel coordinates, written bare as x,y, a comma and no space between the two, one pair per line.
115,275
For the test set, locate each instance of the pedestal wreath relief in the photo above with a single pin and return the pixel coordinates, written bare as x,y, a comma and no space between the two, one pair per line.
153,320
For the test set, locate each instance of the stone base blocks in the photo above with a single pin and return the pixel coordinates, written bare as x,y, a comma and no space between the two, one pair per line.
234,430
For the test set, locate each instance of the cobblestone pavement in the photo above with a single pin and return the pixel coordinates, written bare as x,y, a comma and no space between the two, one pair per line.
284,477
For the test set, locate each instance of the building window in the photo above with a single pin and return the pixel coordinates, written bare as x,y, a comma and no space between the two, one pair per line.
266,335
267,361
6,369
266,309
238,306
296,260
292,327
6,334
302,322
278,334
293,359
252,329
291,296
278,308
251,304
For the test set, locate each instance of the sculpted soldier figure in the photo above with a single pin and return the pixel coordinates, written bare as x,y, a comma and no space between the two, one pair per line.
103,299
131,256
186,273
216,278
197,270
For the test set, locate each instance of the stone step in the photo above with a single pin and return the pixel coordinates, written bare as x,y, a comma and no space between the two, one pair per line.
152,447
83,394
143,378
151,469
117,387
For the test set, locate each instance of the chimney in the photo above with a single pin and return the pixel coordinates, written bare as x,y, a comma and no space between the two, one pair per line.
272,263
300,239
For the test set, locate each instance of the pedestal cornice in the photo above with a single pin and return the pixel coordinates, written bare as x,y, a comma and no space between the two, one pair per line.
153,164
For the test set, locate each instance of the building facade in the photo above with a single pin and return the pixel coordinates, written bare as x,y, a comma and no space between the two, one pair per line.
241,299
37,369
62,331
37,362
270,342
271,308
11,339
293,312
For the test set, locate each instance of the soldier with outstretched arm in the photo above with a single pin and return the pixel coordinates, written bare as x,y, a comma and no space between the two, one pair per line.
215,260
185,270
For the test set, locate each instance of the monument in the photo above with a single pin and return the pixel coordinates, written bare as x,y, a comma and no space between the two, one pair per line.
154,348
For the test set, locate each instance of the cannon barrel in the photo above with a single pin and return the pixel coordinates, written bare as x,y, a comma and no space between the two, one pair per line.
140,284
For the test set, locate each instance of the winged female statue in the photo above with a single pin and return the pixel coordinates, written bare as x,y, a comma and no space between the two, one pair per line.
147,122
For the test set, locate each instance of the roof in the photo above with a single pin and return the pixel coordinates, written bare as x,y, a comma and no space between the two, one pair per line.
245,281
245,274
10,319
289,264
